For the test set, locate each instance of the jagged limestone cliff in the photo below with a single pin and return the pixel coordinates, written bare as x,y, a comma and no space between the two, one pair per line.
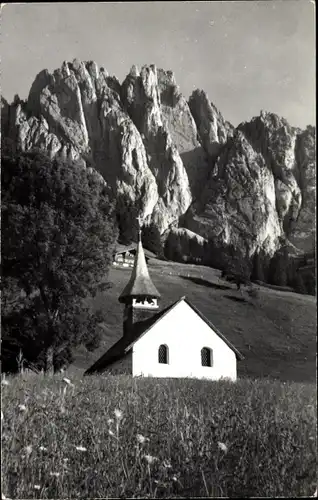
180,162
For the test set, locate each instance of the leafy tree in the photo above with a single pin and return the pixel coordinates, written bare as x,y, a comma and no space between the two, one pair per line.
151,239
299,284
58,232
237,268
260,266
173,249
279,268
214,255
194,249
126,215
310,282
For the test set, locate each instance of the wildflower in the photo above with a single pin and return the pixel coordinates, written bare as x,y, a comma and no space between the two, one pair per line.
37,487
67,381
22,407
150,459
174,478
110,421
80,448
55,474
118,414
141,439
4,382
222,447
28,450
42,448
167,464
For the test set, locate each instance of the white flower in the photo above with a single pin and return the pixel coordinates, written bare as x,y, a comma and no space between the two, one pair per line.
174,478
118,414
141,439
222,447
37,487
42,448
80,448
55,474
4,382
110,421
28,450
150,459
67,381
167,464
110,432
22,407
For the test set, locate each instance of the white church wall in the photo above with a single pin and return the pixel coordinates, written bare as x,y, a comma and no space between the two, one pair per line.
185,334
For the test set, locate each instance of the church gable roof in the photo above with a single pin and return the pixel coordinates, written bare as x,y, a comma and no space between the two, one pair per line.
125,344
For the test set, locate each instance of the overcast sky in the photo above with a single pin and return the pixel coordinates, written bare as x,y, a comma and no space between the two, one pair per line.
246,55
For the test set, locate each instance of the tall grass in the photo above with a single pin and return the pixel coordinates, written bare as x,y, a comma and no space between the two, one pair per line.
106,437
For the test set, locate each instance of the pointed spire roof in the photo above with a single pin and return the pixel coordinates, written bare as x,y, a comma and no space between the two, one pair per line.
140,283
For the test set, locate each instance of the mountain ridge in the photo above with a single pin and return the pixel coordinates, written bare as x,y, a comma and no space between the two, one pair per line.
179,161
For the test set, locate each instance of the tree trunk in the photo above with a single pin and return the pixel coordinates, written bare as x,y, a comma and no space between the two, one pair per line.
49,355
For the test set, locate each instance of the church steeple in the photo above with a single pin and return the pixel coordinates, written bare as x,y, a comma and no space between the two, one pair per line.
140,295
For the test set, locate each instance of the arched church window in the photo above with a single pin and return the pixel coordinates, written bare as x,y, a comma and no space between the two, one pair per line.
206,356
163,354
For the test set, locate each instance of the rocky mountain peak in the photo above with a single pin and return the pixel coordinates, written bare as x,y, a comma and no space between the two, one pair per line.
180,162
212,128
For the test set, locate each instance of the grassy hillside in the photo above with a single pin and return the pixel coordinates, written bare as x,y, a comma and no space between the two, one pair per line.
275,331
120,437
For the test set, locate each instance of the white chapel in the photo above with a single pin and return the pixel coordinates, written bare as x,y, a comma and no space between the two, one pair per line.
177,341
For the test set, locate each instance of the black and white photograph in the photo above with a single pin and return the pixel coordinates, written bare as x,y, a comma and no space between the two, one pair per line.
158,250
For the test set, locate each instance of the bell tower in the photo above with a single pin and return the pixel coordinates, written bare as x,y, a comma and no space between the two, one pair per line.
140,296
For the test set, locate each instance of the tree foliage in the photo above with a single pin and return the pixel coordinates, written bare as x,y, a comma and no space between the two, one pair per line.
126,215
279,269
173,249
214,254
151,239
58,232
260,268
237,268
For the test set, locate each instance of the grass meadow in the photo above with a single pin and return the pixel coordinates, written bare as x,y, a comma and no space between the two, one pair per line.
124,437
